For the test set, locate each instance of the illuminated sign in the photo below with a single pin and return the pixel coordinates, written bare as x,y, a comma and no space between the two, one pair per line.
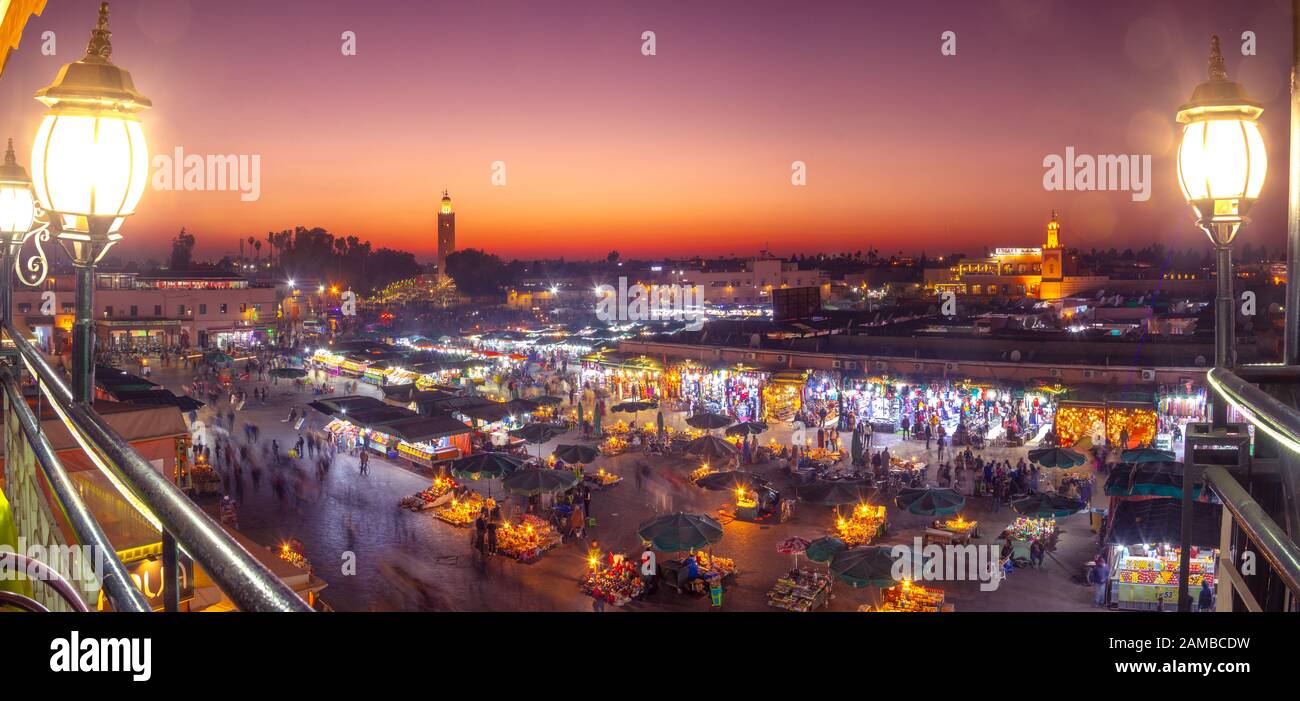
1002,252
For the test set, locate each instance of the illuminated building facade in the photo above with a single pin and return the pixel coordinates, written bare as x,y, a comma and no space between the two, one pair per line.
1049,272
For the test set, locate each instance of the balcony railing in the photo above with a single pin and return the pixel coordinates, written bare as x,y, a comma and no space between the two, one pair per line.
249,584
1277,433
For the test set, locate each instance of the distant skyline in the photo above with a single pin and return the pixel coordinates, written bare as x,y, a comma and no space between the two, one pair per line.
683,153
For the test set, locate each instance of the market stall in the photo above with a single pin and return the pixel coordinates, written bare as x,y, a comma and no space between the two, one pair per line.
616,582
910,598
437,494
1106,422
1143,555
861,526
801,590
526,539
783,396
735,389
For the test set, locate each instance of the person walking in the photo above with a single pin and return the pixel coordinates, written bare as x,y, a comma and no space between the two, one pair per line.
1100,578
1036,553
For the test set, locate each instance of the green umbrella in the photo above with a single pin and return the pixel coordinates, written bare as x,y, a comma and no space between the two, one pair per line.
1140,455
583,454
1057,457
865,567
746,428
679,531
547,400
539,481
931,501
709,421
1149,479
836,492
537,434
1040,505
635,408
488,465
825,548
711,448
723,481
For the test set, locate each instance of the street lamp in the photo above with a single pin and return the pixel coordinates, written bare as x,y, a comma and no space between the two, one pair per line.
17,214
89,169
1221,167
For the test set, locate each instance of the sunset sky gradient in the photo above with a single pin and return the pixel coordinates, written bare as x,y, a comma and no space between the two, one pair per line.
686,152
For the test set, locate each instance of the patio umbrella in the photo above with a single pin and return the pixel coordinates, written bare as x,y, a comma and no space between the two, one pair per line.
930,501
288,373
746,428
711,448
575,453
1148,479
532,482
824,549
836,493
1040,505
1140,455
217,356
679,531
547,400
793,546
537,434
723,481
635,408
709,421
1057,457
865,567
489,465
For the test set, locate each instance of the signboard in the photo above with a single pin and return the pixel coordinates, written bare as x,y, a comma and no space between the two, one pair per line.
796,302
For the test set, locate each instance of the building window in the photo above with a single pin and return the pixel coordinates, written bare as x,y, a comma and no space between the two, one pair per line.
24,307
108,311
69,307
135,311
157,310
222,308
975,289
243,307
203,309
180,310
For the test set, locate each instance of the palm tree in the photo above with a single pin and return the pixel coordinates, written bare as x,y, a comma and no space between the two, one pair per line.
257,246
250,243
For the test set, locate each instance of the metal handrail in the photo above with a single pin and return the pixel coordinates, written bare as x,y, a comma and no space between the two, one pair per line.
1278,548
116,583
249,584
1279,421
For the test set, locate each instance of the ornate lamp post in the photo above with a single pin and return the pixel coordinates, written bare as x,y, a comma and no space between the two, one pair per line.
1221,167
89,169
17,214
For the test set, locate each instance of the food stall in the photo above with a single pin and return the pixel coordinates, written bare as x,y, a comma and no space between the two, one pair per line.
1022,532
437,494
526,539
460,511
863,525
1145,577
802,590
956,530
1106,422
910,598
616,582
600,479
736,389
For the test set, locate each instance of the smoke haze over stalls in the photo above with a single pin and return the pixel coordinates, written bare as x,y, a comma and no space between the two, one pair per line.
686,152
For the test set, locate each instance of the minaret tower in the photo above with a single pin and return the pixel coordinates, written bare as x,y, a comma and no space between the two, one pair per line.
446,232
1053,262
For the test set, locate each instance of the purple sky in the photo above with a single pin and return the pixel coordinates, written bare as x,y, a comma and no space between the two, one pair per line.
685,152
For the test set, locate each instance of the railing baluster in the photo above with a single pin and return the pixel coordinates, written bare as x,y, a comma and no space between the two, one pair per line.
249,584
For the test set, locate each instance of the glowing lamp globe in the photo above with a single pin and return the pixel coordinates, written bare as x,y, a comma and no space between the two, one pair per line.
17,207
1222,161
89,159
